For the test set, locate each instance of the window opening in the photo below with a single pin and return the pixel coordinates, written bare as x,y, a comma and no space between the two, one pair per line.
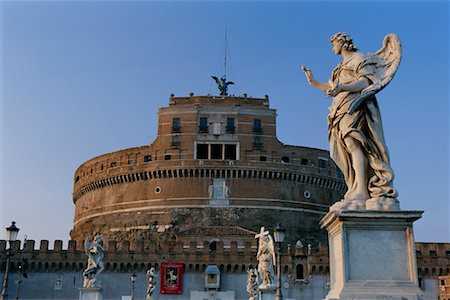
216,151
202,151
203,125
230,151
257,125
230,125
176,125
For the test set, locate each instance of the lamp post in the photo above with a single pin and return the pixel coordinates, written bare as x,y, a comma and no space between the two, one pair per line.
133,280
279,233
11,235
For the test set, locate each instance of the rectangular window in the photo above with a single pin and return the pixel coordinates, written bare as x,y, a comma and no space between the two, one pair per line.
167,157
202,151
304,161
257,142
147,158
285,159
230,125
175,141
263,158
216,151
203,125
230,152
176,125
257,125
433,253
323,163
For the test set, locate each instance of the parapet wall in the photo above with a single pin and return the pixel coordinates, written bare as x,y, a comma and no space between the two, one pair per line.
433,258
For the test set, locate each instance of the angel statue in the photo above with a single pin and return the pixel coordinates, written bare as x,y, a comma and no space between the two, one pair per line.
222,84
95,265
151,283
252,282
266,259
355,131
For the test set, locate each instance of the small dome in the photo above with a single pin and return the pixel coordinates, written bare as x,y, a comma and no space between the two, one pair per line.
212,269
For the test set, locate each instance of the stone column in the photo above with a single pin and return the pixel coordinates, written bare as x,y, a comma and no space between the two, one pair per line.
372,255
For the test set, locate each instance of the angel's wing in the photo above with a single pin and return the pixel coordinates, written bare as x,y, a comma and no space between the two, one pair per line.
87,246
216,79
230,82
272,249
386,62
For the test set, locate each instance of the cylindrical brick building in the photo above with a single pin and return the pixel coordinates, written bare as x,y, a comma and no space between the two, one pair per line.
216,169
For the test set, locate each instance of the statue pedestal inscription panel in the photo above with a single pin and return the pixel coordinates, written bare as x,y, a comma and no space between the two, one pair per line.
372,254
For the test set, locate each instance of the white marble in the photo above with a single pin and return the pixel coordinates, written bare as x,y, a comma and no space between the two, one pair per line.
372,255
90,294
355,130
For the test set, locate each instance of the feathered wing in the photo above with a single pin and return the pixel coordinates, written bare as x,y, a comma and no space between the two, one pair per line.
385,62
272,249
215,79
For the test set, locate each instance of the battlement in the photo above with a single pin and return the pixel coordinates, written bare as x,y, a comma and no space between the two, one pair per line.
128,256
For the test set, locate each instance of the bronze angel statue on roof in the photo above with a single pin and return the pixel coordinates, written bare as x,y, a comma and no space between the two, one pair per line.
355,131
222,84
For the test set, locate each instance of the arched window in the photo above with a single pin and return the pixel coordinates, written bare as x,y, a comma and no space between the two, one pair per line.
299,272
213,247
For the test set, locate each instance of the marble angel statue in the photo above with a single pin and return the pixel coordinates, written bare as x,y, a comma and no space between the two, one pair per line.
95,265
355,130
266,259
252,282
151,283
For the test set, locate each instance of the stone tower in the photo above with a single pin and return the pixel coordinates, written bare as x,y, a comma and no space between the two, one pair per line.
216,171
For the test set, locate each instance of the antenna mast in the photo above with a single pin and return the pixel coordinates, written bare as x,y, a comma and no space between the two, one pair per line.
225,58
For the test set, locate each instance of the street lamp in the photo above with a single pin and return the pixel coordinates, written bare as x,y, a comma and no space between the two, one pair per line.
133,280
11,235
279,233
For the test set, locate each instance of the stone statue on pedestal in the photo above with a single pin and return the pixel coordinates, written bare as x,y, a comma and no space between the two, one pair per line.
151,283
266,260
355,131
95,265
252,282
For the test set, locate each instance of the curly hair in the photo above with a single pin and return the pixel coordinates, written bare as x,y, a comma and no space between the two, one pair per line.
346,40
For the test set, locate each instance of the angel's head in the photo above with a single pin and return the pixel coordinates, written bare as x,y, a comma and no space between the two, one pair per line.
342,40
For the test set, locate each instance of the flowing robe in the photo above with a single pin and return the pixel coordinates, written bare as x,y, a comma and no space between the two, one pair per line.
364,125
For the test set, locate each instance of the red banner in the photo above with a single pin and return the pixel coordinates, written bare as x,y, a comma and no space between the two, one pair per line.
171,278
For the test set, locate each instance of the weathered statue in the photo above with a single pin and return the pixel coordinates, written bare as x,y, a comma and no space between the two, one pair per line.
222,84
95,265
266,259
252,282
151,283
355,131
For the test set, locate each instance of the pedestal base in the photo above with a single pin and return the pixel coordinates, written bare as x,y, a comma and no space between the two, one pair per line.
372,255
90,294
267,294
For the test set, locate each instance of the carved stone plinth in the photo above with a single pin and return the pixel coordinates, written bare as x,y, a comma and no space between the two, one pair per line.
372,255
91,294
268,294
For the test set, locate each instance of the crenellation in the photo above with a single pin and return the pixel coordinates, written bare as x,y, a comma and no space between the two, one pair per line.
72,246
44,245
29,246
58,245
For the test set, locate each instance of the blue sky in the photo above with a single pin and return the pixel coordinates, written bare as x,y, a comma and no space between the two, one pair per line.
79,79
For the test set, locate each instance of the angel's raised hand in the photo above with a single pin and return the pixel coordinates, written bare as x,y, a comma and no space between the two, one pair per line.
308,74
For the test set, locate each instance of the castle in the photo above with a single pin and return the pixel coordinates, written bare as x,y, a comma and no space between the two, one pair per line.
216,162
197,195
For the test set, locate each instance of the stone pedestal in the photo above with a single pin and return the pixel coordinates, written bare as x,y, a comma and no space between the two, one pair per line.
90,294
372,255
268,294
